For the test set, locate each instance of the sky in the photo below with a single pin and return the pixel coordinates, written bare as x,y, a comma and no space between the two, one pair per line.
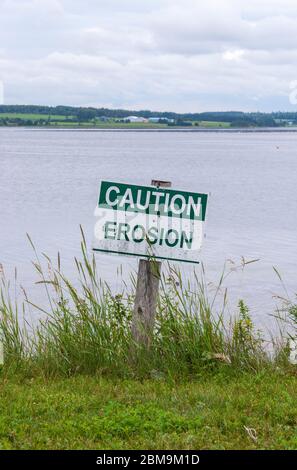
165,55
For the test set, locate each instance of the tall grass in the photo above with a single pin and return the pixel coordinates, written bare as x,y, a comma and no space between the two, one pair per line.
87,329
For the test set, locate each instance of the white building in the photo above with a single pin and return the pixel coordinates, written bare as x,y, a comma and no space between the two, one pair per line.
135,119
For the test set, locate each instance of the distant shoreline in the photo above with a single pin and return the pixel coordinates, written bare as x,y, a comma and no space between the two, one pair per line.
69,117
155,129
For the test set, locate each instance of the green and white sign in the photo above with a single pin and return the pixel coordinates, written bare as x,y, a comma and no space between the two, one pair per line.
147,221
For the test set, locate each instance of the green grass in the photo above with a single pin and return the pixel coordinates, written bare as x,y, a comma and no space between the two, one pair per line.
215,412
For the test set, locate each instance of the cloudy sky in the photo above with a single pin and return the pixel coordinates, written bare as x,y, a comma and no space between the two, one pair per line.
181,55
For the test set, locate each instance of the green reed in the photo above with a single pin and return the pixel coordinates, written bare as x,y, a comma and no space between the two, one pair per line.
87,329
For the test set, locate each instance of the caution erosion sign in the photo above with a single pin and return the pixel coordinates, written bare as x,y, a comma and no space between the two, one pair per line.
146,221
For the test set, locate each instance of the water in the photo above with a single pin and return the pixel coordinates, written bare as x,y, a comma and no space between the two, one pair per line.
49,182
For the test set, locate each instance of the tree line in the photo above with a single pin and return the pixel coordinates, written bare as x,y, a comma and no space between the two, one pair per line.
81,114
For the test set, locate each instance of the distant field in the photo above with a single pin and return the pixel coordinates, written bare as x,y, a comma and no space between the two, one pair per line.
61,121
31,117
213,124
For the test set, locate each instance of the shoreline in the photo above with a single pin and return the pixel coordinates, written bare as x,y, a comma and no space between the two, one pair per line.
177,129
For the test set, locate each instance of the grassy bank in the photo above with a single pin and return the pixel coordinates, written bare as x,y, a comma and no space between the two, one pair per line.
78,380
250,411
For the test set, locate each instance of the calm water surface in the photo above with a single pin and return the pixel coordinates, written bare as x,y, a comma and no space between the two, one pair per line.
49,183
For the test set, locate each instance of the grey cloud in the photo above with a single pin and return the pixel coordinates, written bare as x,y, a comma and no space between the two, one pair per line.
177,54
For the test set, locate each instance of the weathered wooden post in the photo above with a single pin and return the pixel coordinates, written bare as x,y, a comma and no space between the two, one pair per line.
147,289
